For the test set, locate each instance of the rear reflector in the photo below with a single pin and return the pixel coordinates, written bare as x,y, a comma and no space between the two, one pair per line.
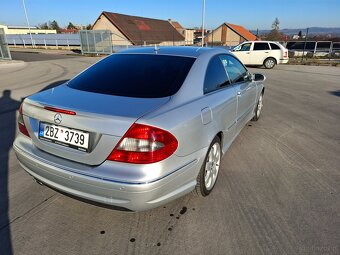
285,54
21,123
59,110
144,144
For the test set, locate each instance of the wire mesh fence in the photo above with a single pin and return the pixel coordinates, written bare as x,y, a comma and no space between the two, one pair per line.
106,42
4,51
95,41
313,48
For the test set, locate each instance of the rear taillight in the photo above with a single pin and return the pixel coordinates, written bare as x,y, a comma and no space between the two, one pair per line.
285,54
21,123
144,144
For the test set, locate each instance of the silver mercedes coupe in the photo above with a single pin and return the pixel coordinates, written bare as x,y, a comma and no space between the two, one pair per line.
141,127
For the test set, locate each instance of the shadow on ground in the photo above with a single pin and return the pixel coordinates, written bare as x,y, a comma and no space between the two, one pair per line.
335,93
8,107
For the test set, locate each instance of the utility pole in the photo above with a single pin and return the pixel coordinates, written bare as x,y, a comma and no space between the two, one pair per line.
203,16
28,24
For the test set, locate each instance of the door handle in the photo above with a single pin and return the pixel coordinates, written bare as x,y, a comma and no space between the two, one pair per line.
247,52
266,52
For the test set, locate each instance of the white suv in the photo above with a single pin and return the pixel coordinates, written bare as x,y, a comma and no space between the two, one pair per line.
260,53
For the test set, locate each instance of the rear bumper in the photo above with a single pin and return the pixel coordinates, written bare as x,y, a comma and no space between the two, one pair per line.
283,61
133,196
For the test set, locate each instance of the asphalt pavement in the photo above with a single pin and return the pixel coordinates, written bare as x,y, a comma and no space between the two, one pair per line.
277,192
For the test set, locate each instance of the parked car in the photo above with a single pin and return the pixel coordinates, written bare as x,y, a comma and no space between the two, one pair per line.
140,127
260,53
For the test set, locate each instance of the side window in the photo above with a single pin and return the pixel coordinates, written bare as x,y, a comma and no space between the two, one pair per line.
245,47
261,46
236,71
274,46
216,76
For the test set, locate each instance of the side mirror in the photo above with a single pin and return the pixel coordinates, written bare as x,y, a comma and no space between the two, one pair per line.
249,77
258,77
236,48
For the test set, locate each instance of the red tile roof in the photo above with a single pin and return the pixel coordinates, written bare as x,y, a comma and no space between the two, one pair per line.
242,32
176,25
139,30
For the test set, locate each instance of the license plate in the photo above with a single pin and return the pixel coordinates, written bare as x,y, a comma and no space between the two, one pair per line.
69,137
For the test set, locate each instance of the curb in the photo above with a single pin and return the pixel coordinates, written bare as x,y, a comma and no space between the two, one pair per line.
11,63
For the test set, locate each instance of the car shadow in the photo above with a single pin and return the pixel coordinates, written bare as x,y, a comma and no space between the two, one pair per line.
8,107
335,93
8,111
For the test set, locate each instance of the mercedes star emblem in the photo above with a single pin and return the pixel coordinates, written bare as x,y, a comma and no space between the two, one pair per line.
57,118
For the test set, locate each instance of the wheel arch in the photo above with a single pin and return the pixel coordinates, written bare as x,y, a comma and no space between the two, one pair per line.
271,58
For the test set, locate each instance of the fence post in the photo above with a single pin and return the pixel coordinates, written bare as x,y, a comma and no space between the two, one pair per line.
102,42
81,43
94,45
1,54
68,44
316,44
23,40
14,43
330,51
87,42
45,43
56,43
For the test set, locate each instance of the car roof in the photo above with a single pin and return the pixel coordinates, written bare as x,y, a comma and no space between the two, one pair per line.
184,51
262,41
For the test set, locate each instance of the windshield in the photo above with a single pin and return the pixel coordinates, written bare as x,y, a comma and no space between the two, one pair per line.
135,75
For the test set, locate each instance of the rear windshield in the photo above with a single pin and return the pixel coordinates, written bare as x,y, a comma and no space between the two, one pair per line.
135,75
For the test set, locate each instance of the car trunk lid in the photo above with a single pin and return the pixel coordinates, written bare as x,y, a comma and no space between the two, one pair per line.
105,118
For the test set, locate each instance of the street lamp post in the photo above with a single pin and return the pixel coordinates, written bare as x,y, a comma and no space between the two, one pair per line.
203,16
28,24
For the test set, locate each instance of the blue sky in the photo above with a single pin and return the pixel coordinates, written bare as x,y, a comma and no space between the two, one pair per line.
252,14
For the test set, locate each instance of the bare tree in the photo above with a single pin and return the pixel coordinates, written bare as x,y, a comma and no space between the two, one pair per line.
275,34
275,25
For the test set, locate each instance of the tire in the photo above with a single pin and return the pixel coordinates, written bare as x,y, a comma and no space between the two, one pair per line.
258,108
269,63
212,162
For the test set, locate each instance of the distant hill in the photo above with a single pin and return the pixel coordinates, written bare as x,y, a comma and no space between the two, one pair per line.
332,31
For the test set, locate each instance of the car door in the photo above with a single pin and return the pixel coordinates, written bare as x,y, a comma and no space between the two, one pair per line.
246,90
259,53
220,100
276,51
242,52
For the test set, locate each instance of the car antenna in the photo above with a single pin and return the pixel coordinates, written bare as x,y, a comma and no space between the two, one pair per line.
156,48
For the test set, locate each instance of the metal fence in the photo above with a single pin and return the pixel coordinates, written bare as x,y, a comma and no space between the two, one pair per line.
314,47
44,40
95,41
4,51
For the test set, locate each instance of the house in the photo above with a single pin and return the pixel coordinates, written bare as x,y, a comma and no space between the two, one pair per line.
133,30
24,30
187,33
229,35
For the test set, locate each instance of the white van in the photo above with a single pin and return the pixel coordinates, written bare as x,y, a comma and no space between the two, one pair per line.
260,53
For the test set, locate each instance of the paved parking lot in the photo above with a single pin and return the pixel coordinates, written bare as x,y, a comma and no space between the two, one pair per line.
277,193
